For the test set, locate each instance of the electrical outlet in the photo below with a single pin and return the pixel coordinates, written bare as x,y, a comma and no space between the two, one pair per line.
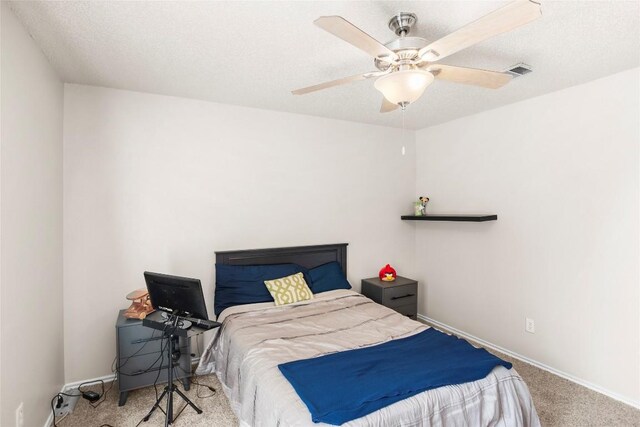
20,415
530,326
68,404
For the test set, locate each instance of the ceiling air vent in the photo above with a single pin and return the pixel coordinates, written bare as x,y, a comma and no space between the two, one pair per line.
519,70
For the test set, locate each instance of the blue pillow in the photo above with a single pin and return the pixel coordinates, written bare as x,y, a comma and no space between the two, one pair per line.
327,277
244,284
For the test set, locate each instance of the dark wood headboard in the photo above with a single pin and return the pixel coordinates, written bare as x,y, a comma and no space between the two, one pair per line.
306,256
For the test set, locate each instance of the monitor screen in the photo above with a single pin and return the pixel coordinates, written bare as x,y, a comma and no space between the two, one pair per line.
176,294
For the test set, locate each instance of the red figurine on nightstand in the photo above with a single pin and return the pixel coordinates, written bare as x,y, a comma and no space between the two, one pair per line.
387,274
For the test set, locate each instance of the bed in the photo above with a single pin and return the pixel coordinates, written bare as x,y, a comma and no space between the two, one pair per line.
256,338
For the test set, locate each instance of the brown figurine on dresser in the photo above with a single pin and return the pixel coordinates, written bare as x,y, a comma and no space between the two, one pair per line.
141,305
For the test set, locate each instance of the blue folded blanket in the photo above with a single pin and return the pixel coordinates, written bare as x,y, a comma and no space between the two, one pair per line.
343,386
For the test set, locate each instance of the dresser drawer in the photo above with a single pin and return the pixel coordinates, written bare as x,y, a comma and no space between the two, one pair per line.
400,295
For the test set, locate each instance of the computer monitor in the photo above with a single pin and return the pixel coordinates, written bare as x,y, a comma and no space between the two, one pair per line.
179,295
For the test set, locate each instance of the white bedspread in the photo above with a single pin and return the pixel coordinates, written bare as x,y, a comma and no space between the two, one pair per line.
254,339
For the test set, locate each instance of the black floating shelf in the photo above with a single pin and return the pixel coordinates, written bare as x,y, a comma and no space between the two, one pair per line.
443,217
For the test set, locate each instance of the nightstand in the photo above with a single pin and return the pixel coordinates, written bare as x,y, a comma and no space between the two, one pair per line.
400,295
139,350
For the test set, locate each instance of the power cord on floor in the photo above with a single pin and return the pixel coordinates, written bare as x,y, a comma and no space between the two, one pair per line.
194,378
104,393
89,395
198,384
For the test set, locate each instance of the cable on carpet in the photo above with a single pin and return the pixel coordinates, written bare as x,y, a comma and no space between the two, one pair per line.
60,400
194,378
115,369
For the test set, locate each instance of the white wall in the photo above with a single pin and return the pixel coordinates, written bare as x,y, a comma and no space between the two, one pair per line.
31,227
160,183
561,171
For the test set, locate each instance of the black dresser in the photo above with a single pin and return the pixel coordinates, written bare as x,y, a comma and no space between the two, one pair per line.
139,357
400,295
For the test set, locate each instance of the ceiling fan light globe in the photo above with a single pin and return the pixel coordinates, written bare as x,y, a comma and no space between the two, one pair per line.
404,87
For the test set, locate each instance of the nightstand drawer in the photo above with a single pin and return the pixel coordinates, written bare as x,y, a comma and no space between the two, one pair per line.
144,372
139,341
400,295
150,361
407,310
142,340
133,366
127,382
140,371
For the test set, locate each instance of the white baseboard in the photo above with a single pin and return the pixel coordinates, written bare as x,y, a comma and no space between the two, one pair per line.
535,363
74,385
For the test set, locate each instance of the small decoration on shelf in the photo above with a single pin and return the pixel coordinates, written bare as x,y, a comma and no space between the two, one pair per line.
420,207
387,274
141,305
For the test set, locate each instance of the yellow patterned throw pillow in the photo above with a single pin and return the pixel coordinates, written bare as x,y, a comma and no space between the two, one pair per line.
287,290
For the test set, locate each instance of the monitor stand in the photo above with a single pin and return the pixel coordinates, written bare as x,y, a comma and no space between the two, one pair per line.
182,323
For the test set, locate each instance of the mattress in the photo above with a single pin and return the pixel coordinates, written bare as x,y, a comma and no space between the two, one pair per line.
255,338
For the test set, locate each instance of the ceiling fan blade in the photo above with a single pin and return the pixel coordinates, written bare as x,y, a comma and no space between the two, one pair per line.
387,106
340,27
338,82
497,22
469,76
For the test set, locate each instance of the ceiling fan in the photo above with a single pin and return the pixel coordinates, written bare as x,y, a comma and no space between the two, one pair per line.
407,65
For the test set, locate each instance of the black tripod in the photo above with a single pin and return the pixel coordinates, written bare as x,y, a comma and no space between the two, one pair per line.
171,388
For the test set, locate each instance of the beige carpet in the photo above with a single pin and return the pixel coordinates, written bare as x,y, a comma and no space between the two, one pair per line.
559,403
216,409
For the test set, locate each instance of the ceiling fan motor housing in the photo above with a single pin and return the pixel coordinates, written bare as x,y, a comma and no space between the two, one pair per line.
406,48
402,22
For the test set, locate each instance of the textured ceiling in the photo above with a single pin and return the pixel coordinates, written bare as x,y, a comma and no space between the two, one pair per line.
254,53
